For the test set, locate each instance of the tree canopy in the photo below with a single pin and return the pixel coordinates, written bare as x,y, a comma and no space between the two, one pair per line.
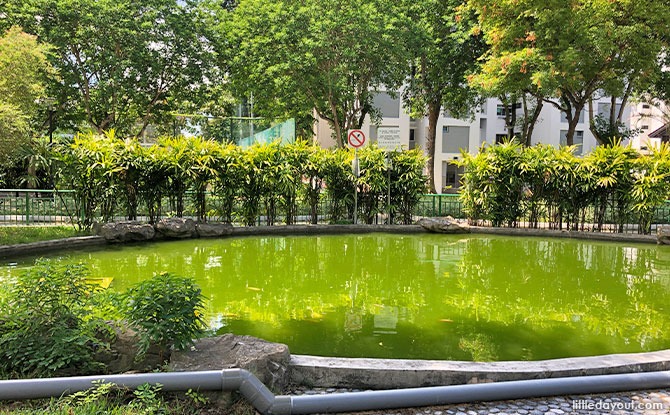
444,54
123,64
325,55
570,51
23,70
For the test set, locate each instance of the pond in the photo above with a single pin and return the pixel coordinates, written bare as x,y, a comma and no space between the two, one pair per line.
417,296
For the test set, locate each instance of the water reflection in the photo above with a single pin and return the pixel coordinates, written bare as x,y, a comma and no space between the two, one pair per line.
420,296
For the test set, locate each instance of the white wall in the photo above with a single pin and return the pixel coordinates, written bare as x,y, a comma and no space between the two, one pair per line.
484,126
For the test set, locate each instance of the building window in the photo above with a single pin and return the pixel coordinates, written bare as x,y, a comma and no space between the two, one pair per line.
564,116
645,127
501,110
604,109
501,138
455,138
452,177
388,106
577,140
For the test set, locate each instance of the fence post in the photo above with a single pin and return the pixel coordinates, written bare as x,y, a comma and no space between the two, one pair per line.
27,208
439,205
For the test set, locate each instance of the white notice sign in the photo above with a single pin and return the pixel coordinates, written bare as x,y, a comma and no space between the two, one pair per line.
388,138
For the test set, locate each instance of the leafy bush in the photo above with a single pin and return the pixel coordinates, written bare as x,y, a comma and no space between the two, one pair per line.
166,311
408,183
47,327
107,173
612,184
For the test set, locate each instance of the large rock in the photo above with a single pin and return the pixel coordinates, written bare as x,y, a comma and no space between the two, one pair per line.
268,361
121,356
176,228
444,225
663,234
213,229
127,231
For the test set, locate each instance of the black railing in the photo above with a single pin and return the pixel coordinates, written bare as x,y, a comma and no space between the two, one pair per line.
37,207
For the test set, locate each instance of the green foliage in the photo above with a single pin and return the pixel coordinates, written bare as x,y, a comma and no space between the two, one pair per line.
314,171
505,182
88,166
166,311
148,398
328,56
372,183
269,180
23,70
124,64
444,53
570,50
108,398
408,184
650,189
10,235
153,181
204,166
480,346
611,132
46,327
340,180
14,129
494,187
226,184
100,390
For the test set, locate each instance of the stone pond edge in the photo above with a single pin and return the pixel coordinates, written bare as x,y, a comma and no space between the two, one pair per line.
34,248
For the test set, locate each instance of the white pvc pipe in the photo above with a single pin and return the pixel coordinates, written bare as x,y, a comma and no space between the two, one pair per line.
265,402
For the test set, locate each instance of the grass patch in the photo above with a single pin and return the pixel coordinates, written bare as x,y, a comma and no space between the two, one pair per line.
106,398
11,235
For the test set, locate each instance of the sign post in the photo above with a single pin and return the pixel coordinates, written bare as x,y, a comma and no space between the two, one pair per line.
389,166
355,138
388,139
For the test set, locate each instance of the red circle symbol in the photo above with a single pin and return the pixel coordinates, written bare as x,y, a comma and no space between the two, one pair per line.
356,138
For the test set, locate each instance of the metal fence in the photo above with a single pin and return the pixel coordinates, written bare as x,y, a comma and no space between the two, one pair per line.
43,207
36,207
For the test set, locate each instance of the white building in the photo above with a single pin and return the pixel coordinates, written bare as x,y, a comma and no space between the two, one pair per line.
488,126
650,120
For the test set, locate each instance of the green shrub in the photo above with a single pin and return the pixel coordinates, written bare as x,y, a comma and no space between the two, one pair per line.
47,327
408,184
166,311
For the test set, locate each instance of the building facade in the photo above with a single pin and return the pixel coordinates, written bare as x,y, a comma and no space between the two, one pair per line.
487,127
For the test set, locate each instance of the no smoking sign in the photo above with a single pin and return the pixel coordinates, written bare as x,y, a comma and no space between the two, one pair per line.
356,138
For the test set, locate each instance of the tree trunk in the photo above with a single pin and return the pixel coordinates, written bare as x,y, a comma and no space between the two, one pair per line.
337,125
433,116
529,120
573,120
510,119
592,125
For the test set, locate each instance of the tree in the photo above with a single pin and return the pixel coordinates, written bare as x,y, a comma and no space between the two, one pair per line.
445,53
23,71
570,50
322,55
124,64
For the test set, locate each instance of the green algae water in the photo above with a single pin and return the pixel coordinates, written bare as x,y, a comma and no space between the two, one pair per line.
417,296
